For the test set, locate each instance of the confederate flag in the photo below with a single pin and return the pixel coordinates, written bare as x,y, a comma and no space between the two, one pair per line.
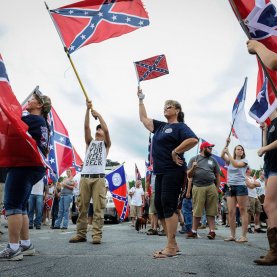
92,21
261,20
151,68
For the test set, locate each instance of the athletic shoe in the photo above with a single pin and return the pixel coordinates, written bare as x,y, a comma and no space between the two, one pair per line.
27,250
77,239
211,235
259,230
10,255
250,231
191,235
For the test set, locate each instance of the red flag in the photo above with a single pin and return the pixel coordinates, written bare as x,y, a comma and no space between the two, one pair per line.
17,147
151,68
257,16
92,21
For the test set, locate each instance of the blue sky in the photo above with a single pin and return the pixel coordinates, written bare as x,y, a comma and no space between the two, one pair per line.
206,55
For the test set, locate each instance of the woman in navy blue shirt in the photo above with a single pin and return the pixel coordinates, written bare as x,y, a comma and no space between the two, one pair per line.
171,139
20,180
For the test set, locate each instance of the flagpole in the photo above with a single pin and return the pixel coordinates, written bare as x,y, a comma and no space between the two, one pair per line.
68,55
246,31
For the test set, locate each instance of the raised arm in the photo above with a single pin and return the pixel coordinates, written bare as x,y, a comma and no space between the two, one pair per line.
105,129
147,122
88,137
267,56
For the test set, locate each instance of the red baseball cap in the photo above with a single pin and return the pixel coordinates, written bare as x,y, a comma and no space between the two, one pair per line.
205,144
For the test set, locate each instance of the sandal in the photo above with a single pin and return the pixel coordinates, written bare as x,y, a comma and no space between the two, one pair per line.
242,240
230,239
162,255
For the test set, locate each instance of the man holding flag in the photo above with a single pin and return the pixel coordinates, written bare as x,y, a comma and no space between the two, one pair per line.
92,182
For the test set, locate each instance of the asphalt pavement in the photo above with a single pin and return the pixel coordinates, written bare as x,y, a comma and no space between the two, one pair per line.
125,252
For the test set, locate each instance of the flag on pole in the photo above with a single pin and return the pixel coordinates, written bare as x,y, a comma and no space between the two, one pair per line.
137,173
118,188
264,105
260,18
93,21
149,165
17,147
248,134
151,68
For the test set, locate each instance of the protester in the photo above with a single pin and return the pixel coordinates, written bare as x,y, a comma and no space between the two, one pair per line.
269,148
20,180
254,206
3,174
36,205
137,201
236,191
66,195
55,206
261,195
92,182
171,139
204,171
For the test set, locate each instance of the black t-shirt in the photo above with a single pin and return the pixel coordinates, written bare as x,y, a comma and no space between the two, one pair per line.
270,158
166,138
3,174
38,130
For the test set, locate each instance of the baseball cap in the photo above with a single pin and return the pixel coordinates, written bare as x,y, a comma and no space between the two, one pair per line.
205,144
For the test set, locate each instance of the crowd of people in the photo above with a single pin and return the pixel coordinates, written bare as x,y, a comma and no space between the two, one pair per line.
197,182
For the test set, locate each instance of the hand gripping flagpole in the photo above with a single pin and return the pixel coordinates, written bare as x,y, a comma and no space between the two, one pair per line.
246,31
68,55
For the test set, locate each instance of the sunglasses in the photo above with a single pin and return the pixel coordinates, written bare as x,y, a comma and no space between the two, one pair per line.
168,107
210,148
39,94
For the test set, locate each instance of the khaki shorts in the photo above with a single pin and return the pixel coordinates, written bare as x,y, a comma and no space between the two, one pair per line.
204,197
254,206
135,211
152,208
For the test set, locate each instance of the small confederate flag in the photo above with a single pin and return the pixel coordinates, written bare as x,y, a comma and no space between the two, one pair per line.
137,173
92,21
151,68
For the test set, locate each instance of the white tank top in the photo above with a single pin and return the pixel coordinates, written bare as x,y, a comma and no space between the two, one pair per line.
95,159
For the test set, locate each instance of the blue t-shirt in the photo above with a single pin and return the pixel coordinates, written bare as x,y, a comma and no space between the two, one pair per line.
166,138
38,130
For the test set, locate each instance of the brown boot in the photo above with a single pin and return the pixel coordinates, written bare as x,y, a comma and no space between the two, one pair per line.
271,257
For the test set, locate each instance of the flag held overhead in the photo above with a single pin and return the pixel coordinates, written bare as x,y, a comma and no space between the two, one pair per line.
93,21
151,68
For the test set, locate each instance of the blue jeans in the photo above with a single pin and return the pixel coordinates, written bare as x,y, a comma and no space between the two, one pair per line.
63,215
187,213
35,204
18,186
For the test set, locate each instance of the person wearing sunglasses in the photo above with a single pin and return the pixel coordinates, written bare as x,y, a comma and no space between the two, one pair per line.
20,180
205,173
171,139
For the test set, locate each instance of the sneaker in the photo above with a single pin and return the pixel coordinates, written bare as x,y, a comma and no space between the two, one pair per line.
250,231
162,233
191,235
27,250
38,227
152,232
259,230
64,228
31,227
56,227
10,255
76,239
202,227
211,235
96,241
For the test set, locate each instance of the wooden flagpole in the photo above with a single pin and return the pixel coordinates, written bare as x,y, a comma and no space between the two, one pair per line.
68,55
246,31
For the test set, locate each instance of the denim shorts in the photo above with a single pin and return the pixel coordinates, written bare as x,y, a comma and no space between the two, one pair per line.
18,187
267,174
236,191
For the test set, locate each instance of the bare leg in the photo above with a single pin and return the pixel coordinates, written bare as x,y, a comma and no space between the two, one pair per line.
24,234
231,202
270,203
15,225
195,223
211,222
243,203
171,226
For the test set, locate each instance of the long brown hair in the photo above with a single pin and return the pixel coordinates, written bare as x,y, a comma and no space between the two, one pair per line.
243,155
177,105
